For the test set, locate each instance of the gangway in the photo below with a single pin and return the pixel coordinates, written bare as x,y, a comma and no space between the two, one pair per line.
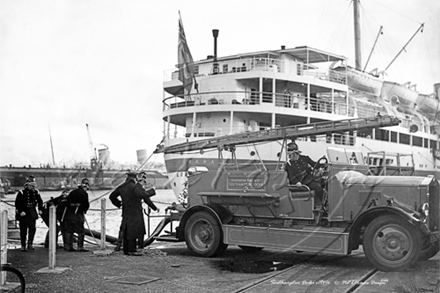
286,132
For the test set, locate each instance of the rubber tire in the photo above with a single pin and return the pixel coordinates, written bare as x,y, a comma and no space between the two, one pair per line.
250,248
429,251
8,268
204,236
394,226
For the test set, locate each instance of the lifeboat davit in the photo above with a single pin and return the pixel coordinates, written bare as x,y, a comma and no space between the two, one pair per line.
399,93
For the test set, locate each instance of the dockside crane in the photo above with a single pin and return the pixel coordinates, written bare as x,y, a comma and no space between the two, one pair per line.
93,158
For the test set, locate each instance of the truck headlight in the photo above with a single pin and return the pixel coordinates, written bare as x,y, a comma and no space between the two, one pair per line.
424,211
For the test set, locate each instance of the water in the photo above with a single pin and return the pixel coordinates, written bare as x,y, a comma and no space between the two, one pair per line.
162,199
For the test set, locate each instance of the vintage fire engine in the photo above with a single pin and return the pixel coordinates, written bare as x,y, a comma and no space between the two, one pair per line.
394,218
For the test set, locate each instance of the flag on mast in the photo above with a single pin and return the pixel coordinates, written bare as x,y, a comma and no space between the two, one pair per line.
186,62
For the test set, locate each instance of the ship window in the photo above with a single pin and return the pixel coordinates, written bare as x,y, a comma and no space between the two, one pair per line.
393,136
433,144
417,141
196,69
382,134
225,68
337,138
298,69
425,143
404,138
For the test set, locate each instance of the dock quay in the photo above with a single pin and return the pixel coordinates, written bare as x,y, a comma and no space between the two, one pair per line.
170,267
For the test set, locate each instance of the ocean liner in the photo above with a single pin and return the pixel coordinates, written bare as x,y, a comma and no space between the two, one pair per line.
261,90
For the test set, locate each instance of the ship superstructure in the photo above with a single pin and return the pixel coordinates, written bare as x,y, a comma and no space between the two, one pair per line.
291,86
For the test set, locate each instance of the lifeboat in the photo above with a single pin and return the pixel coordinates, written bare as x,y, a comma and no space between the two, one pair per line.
362,81
399,94
427,104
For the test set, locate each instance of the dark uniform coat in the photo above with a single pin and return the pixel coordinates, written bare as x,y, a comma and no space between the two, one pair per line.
300,170
59,202
26,201
132,195
74,208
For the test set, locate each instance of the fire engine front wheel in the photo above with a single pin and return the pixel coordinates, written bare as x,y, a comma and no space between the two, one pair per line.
391,243
203,235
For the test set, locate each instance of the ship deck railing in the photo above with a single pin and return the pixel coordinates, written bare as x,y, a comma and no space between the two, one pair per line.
332,105
259,63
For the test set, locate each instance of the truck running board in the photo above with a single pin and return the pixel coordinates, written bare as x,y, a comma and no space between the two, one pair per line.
319,240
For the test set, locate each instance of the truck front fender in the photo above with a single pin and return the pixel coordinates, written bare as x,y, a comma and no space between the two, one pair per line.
219,212
366,217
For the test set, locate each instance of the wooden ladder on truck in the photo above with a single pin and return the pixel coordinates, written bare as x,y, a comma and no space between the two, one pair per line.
286,132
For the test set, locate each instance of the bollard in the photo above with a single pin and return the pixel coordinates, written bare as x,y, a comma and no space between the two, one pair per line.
4,243
52,237
52,245
103,210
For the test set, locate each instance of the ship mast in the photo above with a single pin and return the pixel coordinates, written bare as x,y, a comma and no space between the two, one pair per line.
357,35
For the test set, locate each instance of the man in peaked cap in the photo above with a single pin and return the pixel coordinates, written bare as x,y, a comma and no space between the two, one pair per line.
75,208
150,189
25,205
299,171
132,225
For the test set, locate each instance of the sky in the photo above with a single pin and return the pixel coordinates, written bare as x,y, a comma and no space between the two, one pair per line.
68,63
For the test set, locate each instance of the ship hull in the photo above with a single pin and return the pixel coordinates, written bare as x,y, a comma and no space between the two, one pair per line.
60,178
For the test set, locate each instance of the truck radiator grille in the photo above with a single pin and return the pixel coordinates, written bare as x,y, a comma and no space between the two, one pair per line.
433,219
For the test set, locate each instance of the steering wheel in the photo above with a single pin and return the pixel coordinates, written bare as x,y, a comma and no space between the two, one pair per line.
322,161
318,173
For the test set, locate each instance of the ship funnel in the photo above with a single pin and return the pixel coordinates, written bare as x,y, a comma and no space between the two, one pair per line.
215,65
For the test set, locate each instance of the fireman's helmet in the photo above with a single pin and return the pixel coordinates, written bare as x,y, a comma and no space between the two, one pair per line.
292,148
31,181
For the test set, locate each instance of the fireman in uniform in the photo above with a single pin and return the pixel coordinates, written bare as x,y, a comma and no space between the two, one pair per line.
25,205
299,170
59,212
132,225
149,188
73,216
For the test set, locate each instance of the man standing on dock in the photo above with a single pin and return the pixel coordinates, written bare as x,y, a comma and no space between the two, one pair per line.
25,203
75,208
132,225
150,189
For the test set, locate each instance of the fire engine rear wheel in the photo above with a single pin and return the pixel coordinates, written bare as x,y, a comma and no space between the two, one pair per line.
391,243
203,235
